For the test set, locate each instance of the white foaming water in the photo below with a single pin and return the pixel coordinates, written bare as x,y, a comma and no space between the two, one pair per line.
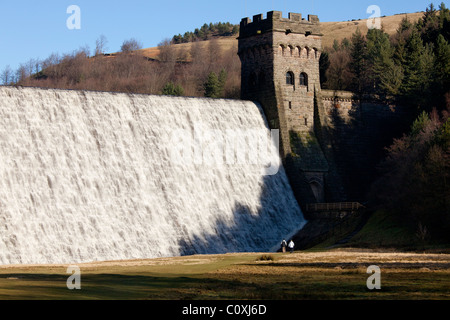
90,176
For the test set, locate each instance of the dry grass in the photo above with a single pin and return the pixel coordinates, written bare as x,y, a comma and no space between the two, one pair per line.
341,30
330,31
224,43
337,274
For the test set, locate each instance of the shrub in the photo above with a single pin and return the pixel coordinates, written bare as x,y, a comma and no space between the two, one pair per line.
266,257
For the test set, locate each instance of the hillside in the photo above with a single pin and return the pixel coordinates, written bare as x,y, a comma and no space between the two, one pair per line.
331,31
224,43
341,30
187,65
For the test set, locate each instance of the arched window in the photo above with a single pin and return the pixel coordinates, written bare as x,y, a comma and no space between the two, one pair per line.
303,79
290,78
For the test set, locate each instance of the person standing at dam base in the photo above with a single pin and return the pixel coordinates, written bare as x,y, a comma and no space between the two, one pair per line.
283,246
291,246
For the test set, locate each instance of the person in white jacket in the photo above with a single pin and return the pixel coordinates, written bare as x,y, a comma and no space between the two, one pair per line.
291,246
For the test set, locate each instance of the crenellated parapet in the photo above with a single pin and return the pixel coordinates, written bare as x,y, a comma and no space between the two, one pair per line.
299,40
275,22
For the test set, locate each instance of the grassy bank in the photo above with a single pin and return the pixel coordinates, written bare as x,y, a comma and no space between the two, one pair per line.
338,274
383,231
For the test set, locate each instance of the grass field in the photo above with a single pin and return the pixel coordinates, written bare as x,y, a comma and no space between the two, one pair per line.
337,274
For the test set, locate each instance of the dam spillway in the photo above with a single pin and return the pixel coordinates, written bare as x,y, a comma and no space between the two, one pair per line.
96,176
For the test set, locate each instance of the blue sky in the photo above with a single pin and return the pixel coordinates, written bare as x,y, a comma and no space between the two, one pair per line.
35,29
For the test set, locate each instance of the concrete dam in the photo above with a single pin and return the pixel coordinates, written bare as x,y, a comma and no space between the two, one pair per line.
96,176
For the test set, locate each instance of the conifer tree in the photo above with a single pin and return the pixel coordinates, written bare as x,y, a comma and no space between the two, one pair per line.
358,63
212,86
444,21
170,89
378,56
429,25
418,71
442,66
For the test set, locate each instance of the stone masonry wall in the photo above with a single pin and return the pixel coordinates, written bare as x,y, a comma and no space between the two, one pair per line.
297,54
358,131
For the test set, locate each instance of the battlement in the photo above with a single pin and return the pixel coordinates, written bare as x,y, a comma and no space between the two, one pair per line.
275,22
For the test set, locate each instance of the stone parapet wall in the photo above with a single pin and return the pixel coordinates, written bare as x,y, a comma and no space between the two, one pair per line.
275,22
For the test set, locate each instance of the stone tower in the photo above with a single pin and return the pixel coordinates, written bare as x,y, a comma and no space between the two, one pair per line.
280,70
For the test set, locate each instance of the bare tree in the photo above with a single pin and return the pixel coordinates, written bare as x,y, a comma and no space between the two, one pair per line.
339,74
86,50
167,51
100,45
37,65
52,60
232,64
21,73
7,75
200,67
131,45
214,52
30,65
168,55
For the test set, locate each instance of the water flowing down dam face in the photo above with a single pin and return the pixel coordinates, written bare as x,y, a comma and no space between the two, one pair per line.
95,176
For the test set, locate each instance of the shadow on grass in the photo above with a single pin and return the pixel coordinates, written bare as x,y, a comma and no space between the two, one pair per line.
302,285
124,287
137,287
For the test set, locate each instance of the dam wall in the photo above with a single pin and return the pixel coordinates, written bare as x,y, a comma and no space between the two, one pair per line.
95,176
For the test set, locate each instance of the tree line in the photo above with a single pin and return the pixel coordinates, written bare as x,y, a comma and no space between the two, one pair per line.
176,71
412,69
206,32
39,69
414,183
